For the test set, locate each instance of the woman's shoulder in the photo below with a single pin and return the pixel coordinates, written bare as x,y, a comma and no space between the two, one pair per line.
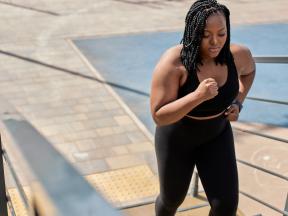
243,58
239,50
172,54
170,60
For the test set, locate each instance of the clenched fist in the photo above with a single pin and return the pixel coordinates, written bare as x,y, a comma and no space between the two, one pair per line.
207,89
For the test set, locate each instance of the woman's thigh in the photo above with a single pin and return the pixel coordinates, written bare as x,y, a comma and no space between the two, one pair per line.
175,164
217,168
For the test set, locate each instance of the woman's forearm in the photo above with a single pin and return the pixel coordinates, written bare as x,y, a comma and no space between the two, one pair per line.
177,109
245,83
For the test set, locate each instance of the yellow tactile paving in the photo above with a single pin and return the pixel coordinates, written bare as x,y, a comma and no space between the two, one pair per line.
119,186
127,184
17,203
130,184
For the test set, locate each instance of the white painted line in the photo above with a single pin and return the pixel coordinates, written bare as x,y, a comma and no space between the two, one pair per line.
140,125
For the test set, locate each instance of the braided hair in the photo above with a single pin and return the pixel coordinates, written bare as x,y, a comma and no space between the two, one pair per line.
194,28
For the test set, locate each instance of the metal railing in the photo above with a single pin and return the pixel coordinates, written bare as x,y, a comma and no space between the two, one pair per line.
79,197
3,198
57,187
195,189
194,192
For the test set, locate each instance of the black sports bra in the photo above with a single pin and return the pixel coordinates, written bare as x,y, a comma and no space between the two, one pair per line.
226,93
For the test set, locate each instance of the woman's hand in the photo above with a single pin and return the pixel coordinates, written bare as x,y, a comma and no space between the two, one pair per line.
232,112
207,89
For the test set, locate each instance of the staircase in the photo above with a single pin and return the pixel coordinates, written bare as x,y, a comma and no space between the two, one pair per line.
131,190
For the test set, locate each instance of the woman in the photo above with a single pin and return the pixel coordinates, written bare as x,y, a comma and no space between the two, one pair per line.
197,89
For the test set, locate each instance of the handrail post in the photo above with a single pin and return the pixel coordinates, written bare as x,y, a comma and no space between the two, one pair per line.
286,204
194,189
3,197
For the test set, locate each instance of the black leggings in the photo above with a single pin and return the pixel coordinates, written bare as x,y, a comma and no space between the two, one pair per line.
209,145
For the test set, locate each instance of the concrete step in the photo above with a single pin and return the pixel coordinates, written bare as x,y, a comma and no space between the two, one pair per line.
148,210
123,187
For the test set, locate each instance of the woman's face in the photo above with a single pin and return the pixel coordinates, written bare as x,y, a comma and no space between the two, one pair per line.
214,36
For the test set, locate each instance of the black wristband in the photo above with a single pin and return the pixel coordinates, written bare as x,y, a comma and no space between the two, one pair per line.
239,104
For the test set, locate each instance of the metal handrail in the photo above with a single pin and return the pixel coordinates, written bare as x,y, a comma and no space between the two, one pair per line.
3,199
268,100
261,134
259,59
263,169
267,59
16,180
76,198
9,204
285,213
195,191
10,123
271,59
286,204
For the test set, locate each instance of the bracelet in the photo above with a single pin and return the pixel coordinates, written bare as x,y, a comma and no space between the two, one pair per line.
238,103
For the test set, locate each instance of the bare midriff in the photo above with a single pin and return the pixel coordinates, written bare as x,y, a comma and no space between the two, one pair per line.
205,117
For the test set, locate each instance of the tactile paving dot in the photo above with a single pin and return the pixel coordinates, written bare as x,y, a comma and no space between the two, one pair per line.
127,184
117,186
17,203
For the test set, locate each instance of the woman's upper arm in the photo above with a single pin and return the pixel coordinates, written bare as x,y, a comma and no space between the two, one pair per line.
165,82
243,59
